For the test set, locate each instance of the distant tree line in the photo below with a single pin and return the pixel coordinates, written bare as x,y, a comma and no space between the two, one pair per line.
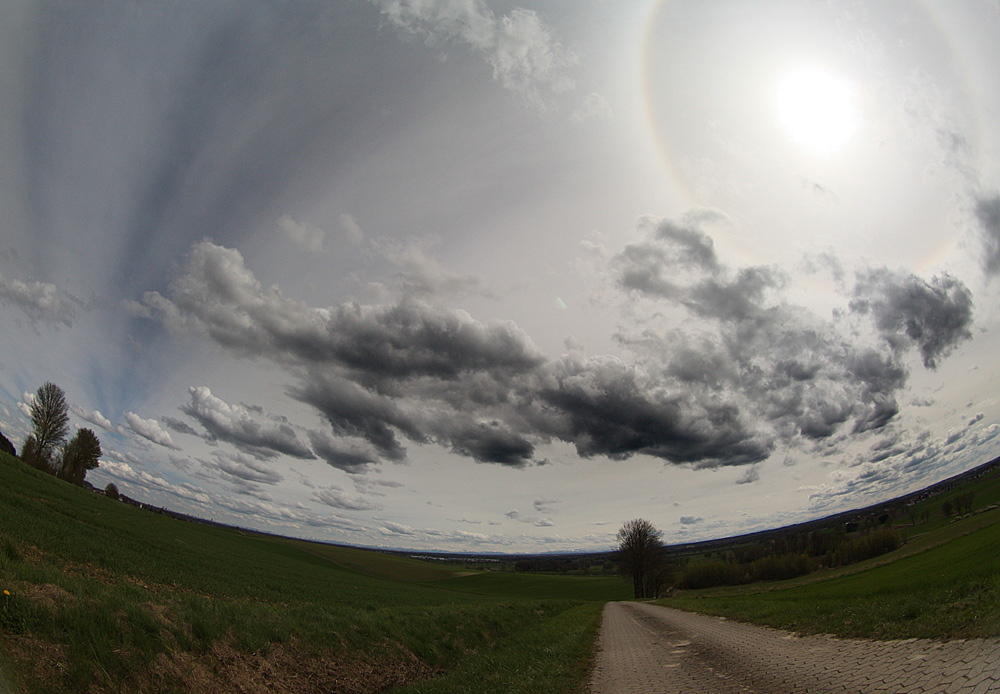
48,448
960,503
787,558
643,558
562,565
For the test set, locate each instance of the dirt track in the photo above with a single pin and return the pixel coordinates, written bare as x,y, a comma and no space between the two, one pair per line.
655,650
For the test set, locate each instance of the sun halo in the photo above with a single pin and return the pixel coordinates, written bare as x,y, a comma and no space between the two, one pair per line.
817,109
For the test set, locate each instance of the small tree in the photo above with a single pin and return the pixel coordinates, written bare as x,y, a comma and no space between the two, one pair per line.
82,453
50,418
111,491
640,555
946,507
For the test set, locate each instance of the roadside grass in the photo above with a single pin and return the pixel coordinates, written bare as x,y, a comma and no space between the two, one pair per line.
944,586
553,657
106,597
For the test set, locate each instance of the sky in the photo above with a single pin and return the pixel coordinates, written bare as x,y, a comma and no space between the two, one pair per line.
478,276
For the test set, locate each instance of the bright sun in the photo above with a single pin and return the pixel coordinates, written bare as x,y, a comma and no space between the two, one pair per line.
817,109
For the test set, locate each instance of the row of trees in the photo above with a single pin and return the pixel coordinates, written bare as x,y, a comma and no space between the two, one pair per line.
961,503
48,449
642,556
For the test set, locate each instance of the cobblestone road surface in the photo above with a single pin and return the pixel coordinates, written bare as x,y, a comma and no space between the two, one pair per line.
655,650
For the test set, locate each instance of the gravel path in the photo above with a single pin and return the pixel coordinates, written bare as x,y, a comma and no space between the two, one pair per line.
656,650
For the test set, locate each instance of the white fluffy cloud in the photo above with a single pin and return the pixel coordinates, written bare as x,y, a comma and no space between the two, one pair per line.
150,429
97,419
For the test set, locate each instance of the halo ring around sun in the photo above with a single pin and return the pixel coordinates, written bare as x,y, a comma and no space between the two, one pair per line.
822,139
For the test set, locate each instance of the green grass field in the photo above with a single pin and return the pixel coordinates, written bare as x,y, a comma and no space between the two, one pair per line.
101,596
943,584
106,597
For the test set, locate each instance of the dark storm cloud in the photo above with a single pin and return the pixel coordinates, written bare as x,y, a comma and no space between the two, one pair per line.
492,442
355,411
679,264
350,457
876,413
702,362
988,214
934,316
879,372
887,447
221,297
607,408
412,339
651,266
738,299
242,427
783,365
363,361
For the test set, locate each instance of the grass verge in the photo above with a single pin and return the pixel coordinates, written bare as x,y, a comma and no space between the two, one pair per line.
553,657
949,590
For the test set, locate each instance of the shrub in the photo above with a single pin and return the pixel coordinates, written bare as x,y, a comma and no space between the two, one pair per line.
705,574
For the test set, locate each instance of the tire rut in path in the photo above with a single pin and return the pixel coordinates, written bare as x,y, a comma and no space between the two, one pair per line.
649,649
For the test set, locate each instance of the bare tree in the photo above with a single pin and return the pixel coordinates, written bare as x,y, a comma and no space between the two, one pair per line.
82,453
50,418
640,555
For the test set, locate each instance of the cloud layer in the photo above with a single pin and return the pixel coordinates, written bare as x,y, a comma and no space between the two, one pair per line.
520,49
754,372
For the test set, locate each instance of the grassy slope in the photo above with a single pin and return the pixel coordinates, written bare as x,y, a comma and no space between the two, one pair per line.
986,492
377,564
944,584
108,597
